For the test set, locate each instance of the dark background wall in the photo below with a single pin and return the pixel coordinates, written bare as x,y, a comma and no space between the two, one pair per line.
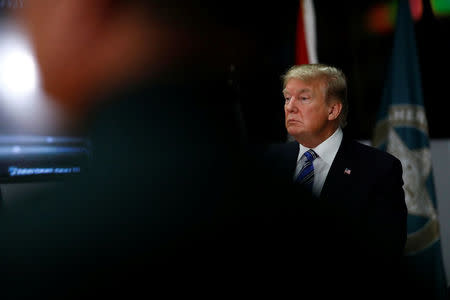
343,40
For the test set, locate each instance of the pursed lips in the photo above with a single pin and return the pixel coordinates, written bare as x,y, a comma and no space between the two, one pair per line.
292,121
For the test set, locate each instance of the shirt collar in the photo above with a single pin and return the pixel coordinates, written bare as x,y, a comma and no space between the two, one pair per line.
327,149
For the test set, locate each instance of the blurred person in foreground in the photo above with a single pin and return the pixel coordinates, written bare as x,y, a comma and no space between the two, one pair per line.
358,189
171,201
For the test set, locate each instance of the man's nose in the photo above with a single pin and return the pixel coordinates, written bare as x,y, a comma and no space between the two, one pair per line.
290,105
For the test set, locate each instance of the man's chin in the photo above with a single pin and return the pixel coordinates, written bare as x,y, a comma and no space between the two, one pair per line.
294,131
294,134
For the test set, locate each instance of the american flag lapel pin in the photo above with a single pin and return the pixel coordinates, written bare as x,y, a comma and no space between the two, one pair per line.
347,171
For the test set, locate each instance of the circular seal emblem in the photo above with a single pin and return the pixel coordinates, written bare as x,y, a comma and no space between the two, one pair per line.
416,171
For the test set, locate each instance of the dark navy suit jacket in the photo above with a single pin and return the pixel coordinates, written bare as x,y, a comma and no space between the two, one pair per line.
359,219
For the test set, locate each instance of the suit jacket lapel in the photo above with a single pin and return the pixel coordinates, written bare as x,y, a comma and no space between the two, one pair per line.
336,177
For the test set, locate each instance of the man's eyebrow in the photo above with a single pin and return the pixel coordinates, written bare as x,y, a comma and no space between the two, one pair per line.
298,91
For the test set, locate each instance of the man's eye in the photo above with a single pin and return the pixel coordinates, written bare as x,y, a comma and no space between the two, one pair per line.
305,98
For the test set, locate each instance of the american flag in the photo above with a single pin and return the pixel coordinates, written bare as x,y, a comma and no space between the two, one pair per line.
347,171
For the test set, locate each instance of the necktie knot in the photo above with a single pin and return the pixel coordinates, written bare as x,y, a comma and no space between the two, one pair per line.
310,155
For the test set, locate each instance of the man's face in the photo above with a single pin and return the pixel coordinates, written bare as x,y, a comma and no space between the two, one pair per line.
306,111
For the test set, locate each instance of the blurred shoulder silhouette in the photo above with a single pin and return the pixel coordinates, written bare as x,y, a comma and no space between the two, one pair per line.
173,200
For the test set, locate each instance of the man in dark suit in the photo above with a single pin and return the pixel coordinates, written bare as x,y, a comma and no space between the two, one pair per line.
360,211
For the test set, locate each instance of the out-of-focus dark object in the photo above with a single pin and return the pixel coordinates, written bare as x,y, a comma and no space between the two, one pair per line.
172,201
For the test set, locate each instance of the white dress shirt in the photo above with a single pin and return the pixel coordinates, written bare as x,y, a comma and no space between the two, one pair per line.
326,152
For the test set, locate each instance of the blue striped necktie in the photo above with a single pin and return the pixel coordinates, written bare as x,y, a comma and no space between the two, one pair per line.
306,175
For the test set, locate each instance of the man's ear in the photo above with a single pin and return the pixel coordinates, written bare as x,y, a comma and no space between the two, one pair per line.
334,110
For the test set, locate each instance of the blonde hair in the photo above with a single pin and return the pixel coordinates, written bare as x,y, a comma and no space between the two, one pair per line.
333,78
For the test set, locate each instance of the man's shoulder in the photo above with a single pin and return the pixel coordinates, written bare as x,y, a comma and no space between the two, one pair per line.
371,154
